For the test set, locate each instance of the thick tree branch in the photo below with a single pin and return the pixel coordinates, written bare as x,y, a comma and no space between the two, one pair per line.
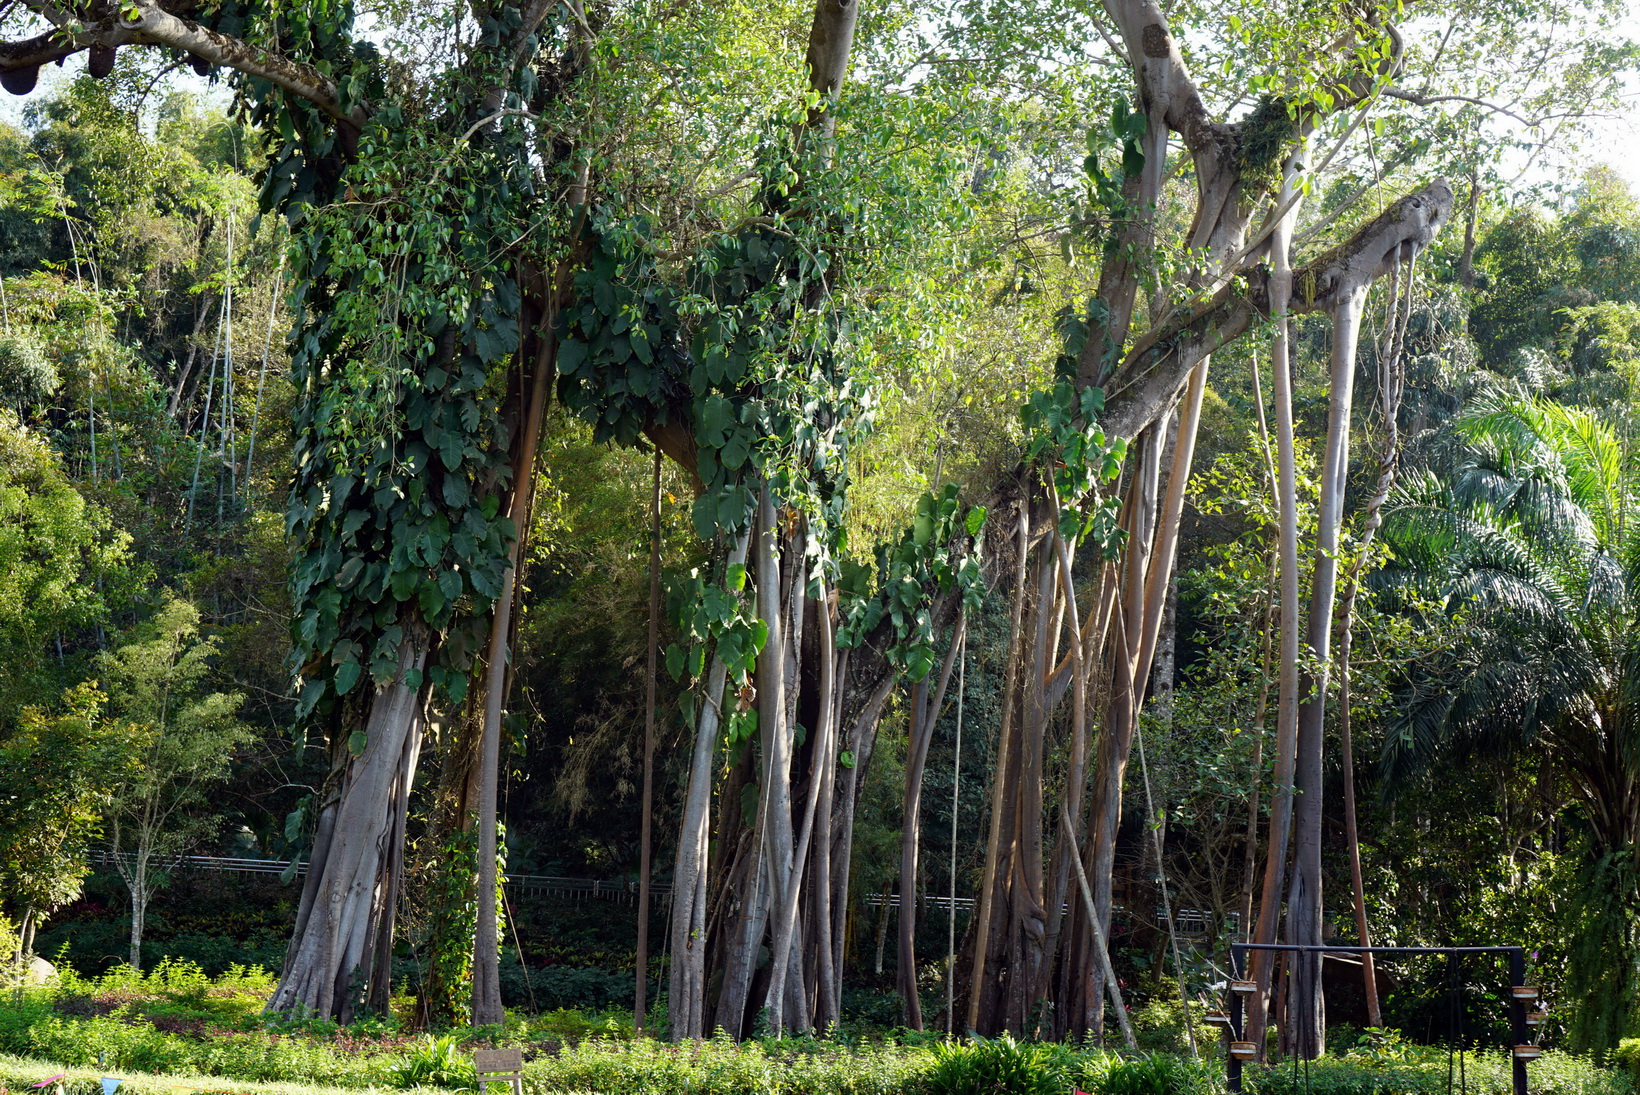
154,26
1155,369
831,37
28,55
1163,81
160,27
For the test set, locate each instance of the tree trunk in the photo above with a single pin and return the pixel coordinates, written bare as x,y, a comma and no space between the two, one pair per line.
331,966
139,905
1390,380
978,986
782,963
686,997
487,1007
767,880
862,744
828,1005
1466,258
1304,908
444,995
1076,765
1126,691
1281,795
1261,712
925,710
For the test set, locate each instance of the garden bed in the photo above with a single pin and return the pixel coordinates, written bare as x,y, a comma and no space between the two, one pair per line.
174,1030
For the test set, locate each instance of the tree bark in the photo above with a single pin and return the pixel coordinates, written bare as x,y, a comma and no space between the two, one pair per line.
1304,908
1286,500
686,998
487,1007
977,985
819,784
925,708
330,968
139,906
1390,380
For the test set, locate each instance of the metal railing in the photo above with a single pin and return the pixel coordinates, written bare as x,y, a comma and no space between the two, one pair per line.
521,883
1189,923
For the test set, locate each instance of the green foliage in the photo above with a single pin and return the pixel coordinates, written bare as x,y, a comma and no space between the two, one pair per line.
157,687
61,565
11,954
19,1073
27,378
719,1067
1155,1074
447,991
574,1025
935,557
1065,439
57,772
1530,552
987,1065
176,1020
436,1062
1423,1070
1603,968
723,615
400,444
1627,1056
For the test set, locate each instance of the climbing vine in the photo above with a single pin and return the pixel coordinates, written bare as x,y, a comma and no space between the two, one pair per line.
1076,459
409,283
936,555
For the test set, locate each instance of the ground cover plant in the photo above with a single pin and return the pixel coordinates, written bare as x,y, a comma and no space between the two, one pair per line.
173,1027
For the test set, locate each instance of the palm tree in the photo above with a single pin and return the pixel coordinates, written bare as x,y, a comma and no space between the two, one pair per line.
1528,548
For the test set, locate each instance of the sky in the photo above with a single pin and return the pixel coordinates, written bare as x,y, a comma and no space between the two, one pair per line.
1616,141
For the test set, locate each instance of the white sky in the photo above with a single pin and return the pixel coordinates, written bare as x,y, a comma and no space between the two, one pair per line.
1616,141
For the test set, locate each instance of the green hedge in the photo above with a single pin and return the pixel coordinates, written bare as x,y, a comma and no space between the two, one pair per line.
723,1068
1423,1070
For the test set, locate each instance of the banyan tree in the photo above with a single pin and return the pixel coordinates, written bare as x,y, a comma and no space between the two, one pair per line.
467,248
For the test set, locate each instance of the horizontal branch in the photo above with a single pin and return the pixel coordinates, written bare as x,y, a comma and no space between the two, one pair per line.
151,25
1417,99
163,28
20,62
1155,369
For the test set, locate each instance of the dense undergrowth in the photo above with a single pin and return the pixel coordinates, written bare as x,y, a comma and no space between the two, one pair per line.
175,1029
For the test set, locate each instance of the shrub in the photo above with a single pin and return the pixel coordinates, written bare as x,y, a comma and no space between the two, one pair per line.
1627,1057
719,1067
1159,1026
27,376
1422,1070
437,1062
988,1066
575,987
571,1025
1153,1074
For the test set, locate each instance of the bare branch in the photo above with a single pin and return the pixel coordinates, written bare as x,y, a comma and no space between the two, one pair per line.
1418,99
508,112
